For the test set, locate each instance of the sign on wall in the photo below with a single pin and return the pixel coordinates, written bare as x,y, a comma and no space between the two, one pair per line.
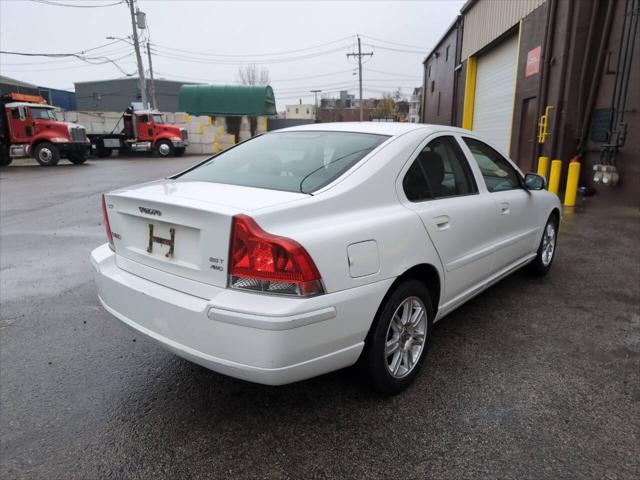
533,61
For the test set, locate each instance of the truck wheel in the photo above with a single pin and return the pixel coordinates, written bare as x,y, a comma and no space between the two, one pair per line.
164,148
179,151
76,158
5,159
46,154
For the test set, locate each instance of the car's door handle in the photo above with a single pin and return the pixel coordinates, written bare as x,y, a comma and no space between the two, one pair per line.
441,222
504,209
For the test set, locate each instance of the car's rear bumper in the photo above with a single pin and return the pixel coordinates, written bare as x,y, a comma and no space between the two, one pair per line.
260,338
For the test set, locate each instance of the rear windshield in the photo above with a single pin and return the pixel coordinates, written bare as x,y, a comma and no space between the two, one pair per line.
290,161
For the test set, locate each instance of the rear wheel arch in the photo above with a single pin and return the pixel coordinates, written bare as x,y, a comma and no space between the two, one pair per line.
424,273
37,142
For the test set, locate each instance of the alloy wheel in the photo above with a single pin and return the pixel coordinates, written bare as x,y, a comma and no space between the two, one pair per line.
405,337
548,244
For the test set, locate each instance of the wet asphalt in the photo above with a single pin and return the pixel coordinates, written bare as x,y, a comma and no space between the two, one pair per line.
533,379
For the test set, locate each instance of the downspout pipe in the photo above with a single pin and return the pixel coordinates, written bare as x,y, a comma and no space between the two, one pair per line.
585,60
597,75
558,124
543,86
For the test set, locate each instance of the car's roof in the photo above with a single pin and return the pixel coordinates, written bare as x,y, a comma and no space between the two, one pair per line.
380,128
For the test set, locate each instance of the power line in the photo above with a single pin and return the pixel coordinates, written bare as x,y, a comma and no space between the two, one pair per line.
90,60
81,52
392,73
204,61
252,55
60,4
393,43
394,49
395,83
63,60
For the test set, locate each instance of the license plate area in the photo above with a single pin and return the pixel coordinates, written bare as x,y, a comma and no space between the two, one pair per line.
169,242
165,245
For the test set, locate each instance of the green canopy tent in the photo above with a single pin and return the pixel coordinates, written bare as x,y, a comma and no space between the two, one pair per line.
227,100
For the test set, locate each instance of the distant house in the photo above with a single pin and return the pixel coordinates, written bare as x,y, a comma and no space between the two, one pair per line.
300,111
402,110
346,108
414,105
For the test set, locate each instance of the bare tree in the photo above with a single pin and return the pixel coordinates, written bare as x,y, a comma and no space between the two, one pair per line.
253,75
385,107
397,95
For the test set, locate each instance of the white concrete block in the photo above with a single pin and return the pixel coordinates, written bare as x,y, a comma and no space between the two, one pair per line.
202,119
193,128
71,116
181,117
226,138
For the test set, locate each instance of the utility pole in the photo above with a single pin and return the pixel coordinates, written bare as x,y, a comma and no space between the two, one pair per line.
315,94
136,46
153,83
360,55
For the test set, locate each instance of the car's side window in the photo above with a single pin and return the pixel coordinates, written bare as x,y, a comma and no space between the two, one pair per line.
440,170
415,184
497,172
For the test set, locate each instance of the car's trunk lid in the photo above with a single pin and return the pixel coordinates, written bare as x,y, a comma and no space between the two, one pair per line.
182,228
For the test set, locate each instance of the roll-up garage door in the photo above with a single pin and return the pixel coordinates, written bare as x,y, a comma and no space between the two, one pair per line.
495,84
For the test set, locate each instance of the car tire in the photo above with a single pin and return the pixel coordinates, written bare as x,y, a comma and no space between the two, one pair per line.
164,148
77,158
541,264
179,151
395,348
46,154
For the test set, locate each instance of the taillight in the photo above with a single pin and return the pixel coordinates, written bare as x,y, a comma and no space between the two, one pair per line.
262,262
105,219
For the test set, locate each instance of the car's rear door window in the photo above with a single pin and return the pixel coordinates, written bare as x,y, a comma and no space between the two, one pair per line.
300,161
440,170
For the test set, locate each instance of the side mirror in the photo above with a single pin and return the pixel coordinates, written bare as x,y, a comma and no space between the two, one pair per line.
534,182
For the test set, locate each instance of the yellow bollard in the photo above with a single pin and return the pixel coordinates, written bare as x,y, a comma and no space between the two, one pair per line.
572,184
554,176
543,165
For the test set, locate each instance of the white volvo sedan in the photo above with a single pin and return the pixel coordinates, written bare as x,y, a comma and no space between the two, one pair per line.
308,249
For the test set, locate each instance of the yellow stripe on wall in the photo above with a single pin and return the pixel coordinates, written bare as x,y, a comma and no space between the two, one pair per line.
469,93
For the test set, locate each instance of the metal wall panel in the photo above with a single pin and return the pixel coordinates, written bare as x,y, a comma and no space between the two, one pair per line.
486,20
494,89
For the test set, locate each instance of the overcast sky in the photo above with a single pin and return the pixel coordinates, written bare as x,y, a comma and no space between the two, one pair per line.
205,41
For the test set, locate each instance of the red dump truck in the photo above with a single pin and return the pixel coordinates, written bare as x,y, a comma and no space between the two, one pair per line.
141,131
29,128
